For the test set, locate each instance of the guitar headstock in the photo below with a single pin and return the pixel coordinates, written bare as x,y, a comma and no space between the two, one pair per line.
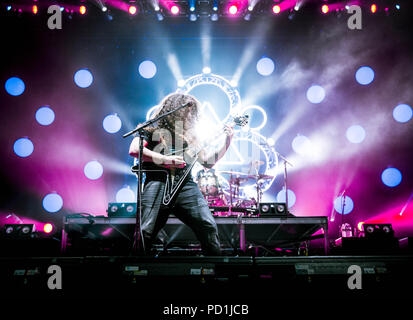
241,120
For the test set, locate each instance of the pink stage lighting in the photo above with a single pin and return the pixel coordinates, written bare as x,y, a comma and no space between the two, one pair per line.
132,10
233,9
325,9
174,9
276,9
82,10
48,227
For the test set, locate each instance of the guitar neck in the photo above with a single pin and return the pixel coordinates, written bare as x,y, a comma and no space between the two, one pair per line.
200,148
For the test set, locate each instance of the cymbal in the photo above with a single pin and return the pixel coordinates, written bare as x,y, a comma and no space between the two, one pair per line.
257,163
264,177
248,176
234,173
237,181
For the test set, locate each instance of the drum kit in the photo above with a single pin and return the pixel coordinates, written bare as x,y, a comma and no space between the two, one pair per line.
213,190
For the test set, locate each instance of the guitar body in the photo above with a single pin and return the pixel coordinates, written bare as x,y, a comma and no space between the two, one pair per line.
175,180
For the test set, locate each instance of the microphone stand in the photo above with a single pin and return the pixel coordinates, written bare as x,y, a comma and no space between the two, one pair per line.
137,236
285,178
343,197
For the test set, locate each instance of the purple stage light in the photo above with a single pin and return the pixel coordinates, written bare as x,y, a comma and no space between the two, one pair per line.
125,195
175,9
316,94
355,134
52,202
291,197
23,147
83,78
302,145
45,116
343,204
391,177
365,75
93,170
265,66
402,113
112,123
147,69
233,9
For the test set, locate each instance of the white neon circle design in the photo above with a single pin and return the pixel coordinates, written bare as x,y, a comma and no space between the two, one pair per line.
150,112
218,81
271,160
250,135
264,115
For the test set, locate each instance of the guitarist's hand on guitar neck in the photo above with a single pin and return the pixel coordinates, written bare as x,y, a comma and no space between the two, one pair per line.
229,131
173,162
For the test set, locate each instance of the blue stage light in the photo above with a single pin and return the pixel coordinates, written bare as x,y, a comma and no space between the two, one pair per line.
316,94
112,123
83,78
45,116
147,69
125,194
93,170
355,134
345,203
365,75
15,86
23,147
402,113
215,5
391,177
52,202
192,4
265,66
291,197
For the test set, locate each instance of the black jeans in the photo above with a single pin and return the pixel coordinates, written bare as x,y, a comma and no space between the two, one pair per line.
190,207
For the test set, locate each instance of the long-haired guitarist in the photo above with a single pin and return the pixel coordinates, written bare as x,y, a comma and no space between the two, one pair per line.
166,160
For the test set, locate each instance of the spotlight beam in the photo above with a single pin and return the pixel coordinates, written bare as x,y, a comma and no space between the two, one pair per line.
173,65
206,43
250,50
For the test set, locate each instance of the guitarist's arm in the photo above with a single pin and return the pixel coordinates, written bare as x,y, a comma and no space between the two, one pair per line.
155,157
209,160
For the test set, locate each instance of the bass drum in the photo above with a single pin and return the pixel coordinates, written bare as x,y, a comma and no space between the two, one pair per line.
208,183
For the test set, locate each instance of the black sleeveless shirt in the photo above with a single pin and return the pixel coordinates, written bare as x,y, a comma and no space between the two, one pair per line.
152,171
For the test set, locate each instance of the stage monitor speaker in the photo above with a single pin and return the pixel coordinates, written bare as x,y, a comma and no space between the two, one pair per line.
273,209
378,230
19,230
117,209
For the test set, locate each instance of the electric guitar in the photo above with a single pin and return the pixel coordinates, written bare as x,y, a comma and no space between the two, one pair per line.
176,177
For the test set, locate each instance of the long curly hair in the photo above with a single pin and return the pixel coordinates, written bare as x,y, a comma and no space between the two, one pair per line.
187,116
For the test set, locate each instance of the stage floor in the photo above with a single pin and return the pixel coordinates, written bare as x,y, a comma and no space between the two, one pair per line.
192,279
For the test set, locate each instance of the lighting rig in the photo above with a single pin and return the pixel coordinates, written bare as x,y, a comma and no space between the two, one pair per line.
198,9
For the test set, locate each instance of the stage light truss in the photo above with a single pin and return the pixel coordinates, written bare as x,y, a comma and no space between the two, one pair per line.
193,9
